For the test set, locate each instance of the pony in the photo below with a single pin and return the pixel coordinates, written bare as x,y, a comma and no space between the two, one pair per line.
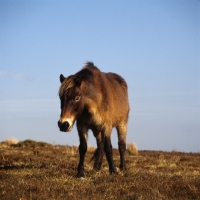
97,101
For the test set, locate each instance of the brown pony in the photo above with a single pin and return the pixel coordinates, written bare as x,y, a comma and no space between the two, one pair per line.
96,101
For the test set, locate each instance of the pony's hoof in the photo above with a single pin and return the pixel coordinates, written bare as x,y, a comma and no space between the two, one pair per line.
81,176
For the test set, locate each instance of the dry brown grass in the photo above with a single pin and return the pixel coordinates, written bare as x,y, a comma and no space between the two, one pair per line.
9,142
36,170
132,149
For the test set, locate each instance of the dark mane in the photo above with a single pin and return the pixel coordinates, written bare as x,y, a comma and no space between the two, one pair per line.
90,65
68,83
85,74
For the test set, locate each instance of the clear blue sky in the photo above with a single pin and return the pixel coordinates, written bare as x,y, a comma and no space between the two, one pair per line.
154,45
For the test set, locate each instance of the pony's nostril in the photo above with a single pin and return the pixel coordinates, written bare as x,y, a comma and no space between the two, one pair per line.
63,126
66,125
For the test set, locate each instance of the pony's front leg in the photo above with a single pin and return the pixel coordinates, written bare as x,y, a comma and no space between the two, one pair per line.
82,152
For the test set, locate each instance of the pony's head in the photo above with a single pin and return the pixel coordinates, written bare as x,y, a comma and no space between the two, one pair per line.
71,101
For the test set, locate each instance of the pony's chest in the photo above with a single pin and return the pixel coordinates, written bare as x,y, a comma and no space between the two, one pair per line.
91,117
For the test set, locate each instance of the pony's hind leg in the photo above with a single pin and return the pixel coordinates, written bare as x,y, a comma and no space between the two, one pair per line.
99,153
121,131
109,154
108,149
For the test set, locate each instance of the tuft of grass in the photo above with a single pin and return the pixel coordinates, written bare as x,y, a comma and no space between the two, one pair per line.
9,142
175,149
132,149
71,150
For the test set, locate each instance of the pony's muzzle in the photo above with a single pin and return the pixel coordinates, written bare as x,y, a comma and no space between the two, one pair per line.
64,126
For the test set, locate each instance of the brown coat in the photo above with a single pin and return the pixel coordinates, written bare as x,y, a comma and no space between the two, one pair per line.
97,101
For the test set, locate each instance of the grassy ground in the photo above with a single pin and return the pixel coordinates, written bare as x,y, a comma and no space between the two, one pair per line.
36,170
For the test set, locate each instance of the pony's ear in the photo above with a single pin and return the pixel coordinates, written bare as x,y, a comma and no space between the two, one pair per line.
62,78
78,81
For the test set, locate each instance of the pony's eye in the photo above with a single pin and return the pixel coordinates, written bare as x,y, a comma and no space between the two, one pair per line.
77,98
